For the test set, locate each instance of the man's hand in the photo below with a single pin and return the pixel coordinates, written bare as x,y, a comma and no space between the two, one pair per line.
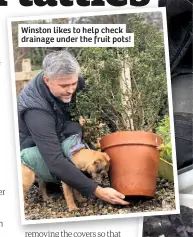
110,195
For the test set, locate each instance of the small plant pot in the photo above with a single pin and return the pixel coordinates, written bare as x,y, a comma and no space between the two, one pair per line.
134,161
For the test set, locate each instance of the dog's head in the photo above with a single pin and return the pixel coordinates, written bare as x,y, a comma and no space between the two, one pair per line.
98,166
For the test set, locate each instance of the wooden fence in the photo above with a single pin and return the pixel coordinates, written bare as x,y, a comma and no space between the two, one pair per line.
23,77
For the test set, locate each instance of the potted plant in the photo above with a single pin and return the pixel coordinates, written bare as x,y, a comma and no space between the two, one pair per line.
126,91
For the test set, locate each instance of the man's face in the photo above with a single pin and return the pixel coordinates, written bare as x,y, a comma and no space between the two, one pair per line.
63,87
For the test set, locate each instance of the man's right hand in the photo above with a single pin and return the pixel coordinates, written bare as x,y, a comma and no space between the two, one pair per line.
110,195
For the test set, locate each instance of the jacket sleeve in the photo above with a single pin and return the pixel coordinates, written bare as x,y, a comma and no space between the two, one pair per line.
42,129
175,7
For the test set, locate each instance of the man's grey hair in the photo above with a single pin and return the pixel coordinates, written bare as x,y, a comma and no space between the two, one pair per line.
59,64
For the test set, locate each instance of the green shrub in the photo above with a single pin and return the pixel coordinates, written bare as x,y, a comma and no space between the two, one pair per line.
127,85
163,130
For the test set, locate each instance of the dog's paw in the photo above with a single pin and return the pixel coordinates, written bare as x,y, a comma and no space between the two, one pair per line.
45,198
81,199
73,208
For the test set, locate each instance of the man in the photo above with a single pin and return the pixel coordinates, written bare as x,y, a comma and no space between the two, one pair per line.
44,121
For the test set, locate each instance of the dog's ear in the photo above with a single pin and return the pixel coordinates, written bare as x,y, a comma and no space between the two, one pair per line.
85,168
98,161
106,157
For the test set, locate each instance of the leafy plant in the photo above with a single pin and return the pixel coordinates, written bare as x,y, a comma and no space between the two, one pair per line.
127,87
163,130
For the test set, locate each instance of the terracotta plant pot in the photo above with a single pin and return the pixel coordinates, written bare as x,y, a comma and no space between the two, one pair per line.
134,161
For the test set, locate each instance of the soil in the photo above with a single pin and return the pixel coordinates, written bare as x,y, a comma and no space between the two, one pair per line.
56,206
171,225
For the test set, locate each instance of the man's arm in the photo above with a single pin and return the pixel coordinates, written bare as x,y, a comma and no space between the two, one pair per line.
42,128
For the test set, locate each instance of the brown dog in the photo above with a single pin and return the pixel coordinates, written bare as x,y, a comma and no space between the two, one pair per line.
95,163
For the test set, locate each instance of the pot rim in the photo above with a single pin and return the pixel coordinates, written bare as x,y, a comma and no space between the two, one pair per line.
130,141
128,131
128,144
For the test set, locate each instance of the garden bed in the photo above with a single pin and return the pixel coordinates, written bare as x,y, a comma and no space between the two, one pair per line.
56,207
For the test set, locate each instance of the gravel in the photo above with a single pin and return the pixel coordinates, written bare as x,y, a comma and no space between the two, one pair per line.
171,225
56,206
